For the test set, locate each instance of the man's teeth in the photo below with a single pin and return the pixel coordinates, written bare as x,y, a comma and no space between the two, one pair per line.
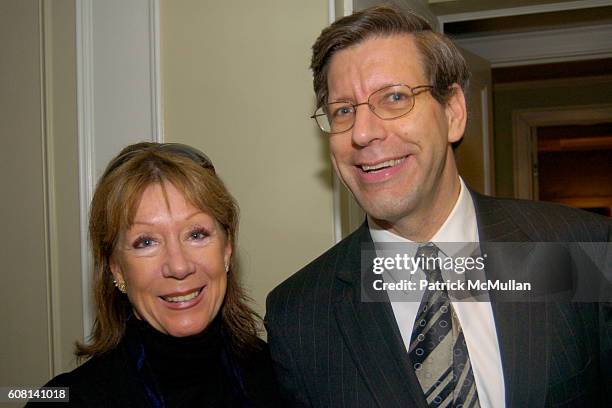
388,163
183,298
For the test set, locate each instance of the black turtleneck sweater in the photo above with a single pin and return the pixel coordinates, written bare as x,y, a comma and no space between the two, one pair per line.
152,369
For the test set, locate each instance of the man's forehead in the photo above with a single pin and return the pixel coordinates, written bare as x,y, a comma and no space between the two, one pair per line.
375,62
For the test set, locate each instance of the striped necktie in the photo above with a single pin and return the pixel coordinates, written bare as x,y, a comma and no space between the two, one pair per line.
438,351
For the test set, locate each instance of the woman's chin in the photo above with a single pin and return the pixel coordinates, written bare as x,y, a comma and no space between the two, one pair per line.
186,329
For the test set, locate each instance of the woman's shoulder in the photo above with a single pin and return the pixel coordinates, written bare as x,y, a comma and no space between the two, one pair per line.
98,381
258,376
99,369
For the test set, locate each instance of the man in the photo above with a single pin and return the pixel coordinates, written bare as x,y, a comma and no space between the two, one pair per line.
390,93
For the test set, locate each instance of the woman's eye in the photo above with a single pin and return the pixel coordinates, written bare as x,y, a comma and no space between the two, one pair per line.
143,242
198,234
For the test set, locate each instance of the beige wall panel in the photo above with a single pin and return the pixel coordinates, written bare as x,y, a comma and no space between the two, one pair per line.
61,73
24,344
236,84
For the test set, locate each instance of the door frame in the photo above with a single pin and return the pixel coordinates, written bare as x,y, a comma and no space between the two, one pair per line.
524,137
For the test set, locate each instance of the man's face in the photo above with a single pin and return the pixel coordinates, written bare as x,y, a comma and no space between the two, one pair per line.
415,149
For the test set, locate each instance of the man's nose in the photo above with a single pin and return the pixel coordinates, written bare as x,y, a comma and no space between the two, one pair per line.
177,264
367,127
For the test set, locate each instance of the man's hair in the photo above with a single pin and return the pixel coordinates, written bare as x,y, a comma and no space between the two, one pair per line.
443,65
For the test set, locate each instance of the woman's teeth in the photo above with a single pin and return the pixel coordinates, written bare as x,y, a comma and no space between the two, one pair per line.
183,298
388,163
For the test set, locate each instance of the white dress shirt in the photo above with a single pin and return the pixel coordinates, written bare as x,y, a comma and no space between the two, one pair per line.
476,318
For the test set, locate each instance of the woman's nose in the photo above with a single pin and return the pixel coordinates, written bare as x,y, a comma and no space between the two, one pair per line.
178,264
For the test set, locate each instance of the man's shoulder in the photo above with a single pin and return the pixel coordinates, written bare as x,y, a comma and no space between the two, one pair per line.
546,220
318,273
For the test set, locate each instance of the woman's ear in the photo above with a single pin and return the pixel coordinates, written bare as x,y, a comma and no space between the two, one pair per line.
227,256
118,278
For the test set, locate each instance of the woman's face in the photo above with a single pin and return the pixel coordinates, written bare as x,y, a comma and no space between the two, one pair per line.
172,259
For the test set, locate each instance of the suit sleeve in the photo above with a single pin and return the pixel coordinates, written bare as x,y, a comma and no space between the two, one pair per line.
287,374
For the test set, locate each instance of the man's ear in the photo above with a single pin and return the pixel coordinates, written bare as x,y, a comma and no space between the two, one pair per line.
456,114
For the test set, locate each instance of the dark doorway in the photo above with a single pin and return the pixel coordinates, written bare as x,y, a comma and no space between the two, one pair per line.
575,166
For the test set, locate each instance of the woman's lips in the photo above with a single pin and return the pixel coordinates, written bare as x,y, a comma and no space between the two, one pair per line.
183,300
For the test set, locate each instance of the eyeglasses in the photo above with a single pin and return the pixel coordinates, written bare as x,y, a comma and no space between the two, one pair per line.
388,103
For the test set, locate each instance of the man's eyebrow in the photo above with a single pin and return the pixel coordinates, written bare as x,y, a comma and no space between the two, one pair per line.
340,100
378,88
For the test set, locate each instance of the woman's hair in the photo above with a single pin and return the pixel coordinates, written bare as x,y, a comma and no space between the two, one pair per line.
112,211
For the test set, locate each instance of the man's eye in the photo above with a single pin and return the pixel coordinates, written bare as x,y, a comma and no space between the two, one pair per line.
143,242
343,111
395,97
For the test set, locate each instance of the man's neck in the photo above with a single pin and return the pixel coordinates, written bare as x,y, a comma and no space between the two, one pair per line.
422,225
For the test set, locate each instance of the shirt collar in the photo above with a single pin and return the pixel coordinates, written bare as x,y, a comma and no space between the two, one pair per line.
459,226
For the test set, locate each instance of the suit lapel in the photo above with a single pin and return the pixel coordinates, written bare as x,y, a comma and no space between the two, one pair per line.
370,332
522,328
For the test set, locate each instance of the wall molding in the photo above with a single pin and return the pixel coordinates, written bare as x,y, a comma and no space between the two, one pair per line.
157,123
85,132
48,168
553,83
520,11
542,46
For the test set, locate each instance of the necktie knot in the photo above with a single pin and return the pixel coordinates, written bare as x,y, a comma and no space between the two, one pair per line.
428,254
428,250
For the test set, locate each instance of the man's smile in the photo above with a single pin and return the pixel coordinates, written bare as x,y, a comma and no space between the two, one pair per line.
369,168
384,170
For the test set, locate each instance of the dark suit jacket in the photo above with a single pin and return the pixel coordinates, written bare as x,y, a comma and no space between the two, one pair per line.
330,349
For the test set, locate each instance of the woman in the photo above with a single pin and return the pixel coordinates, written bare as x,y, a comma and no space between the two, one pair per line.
172,326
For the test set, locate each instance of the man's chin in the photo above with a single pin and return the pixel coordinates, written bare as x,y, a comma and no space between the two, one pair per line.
384,215
385,209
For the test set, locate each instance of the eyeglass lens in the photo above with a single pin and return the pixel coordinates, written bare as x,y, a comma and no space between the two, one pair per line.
387,103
